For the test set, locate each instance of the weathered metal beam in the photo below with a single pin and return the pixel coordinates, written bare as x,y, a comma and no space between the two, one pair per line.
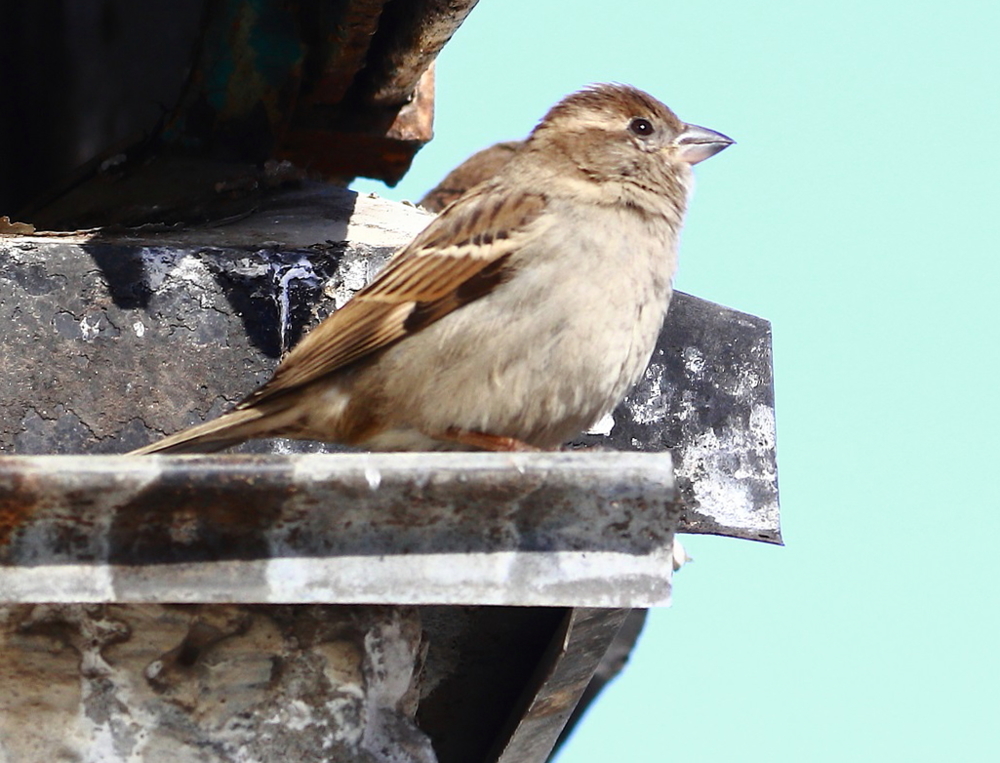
115,339
533,529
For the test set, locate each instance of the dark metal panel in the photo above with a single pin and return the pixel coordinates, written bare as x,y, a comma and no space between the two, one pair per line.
708,397
562,678
611,664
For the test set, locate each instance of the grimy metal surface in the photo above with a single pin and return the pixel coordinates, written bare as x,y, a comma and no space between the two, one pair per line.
590,529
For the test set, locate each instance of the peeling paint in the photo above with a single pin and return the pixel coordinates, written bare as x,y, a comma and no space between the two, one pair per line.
694,361
356,270
373,476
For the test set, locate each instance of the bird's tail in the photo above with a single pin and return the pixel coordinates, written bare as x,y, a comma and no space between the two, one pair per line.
229,429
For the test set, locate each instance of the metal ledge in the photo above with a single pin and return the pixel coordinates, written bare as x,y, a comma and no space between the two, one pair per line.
583,529
120,339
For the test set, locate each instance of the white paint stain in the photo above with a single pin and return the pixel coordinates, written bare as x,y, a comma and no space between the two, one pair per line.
604,426
160,265
722,488
652,405
139,328
156,265
285,274
298,716
353,274
373,476
90,327
762,427
694,361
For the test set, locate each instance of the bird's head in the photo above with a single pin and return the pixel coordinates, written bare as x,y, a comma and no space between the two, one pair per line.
617,132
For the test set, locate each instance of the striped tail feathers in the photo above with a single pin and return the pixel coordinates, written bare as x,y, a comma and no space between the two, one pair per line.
228,429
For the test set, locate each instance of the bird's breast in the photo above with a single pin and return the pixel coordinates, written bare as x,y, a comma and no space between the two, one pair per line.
553,348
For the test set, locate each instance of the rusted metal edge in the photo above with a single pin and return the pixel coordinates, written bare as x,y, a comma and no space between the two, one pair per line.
414,33
535,529
562,678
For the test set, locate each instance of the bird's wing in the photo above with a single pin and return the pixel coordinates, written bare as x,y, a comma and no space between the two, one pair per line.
462,255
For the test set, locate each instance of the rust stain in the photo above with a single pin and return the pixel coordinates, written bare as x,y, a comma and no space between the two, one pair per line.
18,502
211,516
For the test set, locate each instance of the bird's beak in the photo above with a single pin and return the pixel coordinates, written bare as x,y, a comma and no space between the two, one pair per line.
696,144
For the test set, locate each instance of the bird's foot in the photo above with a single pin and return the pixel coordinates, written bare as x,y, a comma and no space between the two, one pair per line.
491,442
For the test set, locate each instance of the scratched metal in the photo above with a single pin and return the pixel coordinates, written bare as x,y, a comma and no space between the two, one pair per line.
584,529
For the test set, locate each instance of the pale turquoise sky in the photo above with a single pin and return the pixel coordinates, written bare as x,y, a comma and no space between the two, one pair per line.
858,213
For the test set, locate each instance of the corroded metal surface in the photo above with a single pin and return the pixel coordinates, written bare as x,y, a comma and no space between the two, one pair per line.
265,683
613,662
708,397
114,340
414,35
245,80
342,147
211,92
469,648
534,529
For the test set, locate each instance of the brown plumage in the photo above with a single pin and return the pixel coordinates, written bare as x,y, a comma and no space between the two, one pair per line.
519,316
474,170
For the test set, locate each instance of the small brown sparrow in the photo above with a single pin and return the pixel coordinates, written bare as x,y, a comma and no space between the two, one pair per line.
519,317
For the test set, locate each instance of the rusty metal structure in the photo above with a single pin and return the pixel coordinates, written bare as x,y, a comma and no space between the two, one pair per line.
291,601
339,89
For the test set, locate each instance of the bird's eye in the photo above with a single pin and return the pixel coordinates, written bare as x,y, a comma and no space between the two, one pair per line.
641,126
